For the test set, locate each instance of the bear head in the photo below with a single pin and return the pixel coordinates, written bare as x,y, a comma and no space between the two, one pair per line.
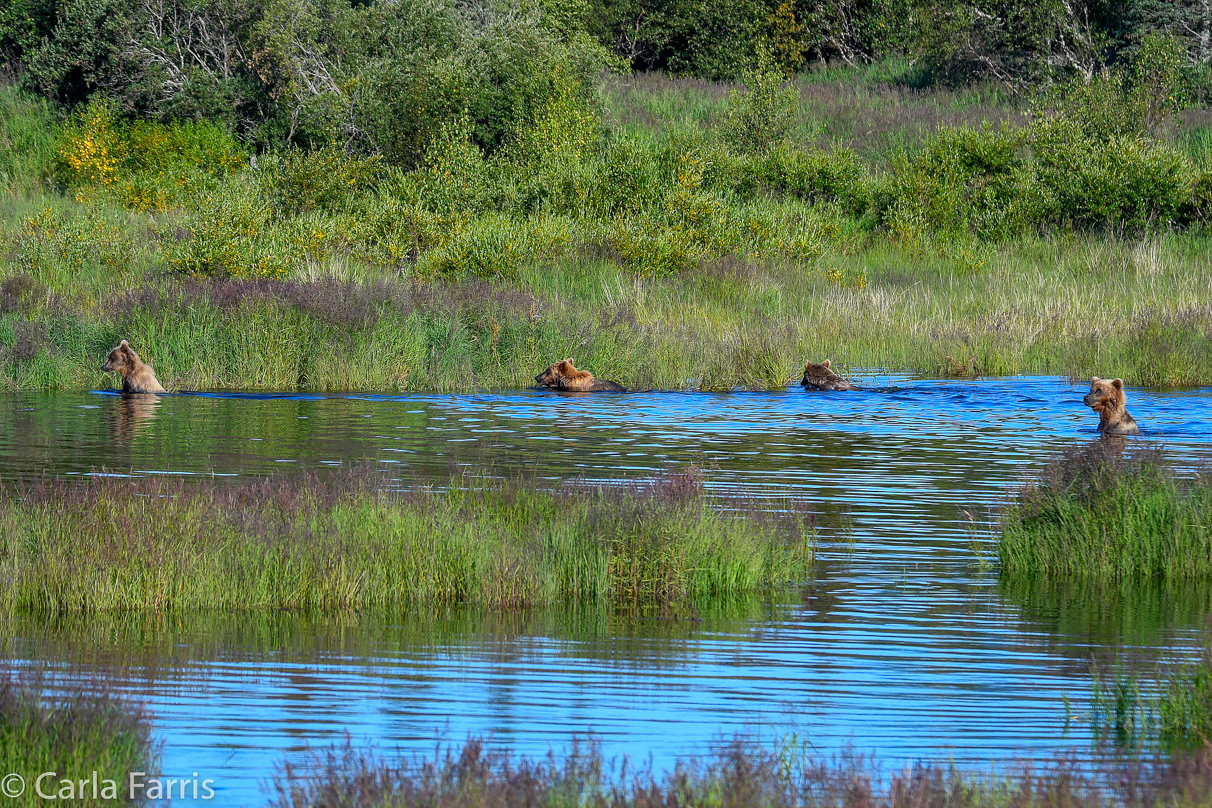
121,360
1105,396
555,375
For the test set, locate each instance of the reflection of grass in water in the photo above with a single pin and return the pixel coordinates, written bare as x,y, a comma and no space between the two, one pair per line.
739,774
349,542
85,730
1108,613
1170,709
165,645
1106,512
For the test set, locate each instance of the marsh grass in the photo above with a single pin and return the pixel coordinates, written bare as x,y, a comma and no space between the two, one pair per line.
1078,306
78,732
739,774
353,540
1108,512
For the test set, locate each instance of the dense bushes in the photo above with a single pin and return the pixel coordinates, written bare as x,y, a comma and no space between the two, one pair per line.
377,78
564,183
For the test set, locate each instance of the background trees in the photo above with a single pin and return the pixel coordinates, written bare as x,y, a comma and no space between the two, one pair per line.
382,76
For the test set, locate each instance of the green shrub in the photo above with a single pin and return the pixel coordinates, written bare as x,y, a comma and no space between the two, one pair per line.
762,115
141,165
966,182
1123,181
233,234
487,246
328,179
631,177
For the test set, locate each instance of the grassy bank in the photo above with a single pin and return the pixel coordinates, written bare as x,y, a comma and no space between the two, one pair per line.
1105,512
73,734
349,541
739,775
687,235
1073,306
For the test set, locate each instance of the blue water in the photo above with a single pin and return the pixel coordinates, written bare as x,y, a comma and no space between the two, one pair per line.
904,643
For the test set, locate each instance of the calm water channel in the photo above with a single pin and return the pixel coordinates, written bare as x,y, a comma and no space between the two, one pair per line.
902,644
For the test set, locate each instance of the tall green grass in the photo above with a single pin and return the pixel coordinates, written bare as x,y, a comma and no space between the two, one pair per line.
1106,512
73,734
27,140
349,542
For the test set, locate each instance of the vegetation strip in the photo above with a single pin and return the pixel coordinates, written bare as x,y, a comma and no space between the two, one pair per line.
349,541
73,734
1111,512
737,775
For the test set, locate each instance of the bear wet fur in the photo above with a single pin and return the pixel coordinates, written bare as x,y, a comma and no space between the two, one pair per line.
563,375
137,375
1107,398
821,377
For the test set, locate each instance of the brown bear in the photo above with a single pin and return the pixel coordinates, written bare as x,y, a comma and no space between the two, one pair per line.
563,376
821,377
958,368
1108,400
137,376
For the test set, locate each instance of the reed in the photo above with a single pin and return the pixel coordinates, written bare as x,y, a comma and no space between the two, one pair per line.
1109,513
353,541
739,774
74,733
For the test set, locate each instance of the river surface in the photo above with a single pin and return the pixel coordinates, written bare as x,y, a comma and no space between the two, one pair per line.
904,643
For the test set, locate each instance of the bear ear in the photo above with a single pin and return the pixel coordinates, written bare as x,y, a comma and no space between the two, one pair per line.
825,363
1095,380
1118,384
123,344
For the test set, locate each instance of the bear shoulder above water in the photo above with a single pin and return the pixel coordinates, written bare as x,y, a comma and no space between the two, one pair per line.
137,375
563,375
821,377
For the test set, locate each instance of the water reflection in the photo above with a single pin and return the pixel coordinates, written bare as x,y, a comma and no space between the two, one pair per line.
130,413
901,642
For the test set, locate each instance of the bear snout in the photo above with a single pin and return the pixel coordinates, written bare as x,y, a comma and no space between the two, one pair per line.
107,366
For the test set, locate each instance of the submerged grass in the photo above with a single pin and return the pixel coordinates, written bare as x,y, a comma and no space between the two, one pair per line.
1170,711
1107,512
350,541
74,734
737,775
